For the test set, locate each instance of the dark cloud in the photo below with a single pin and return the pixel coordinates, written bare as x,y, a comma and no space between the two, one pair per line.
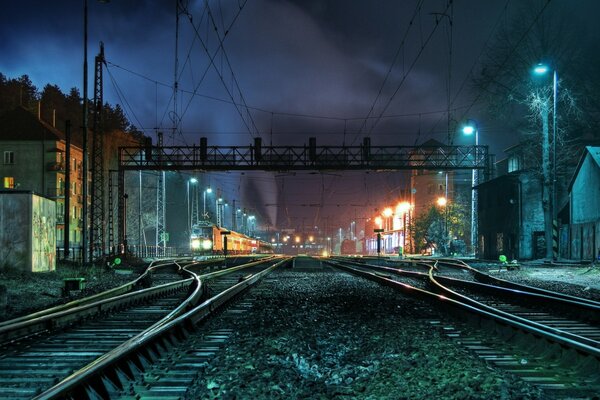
313,57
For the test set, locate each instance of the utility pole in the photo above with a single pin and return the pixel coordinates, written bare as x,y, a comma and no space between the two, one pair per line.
161,234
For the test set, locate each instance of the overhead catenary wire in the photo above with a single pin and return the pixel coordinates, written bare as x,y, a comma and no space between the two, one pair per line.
391,67
410,68
220,75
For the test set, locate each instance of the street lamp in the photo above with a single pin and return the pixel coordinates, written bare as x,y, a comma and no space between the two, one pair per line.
208,190
190,205
403,209
469,129
443,202
541,70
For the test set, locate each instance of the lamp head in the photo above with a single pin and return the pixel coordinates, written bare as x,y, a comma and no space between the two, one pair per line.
541,69
468,129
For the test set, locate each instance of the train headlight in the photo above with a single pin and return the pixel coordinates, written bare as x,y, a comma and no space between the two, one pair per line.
195,244
207,244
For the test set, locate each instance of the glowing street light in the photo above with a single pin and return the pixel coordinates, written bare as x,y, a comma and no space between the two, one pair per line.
543,69
442,201
207,190
469,129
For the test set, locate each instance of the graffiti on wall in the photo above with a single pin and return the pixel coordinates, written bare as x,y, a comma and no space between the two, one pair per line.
43,234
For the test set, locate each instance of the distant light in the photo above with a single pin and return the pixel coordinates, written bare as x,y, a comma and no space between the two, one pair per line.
378,221
387,212
310,238
403,208
208,190
207,244
195,244
540,69
468,129
442,201
297,239
193,180
325,254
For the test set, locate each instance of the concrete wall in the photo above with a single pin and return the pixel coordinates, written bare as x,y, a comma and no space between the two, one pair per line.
532,214
27,231
585,193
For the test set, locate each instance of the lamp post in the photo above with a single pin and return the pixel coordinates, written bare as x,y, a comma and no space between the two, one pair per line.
443,202
469,129
403,209
207,190
190,204
541,70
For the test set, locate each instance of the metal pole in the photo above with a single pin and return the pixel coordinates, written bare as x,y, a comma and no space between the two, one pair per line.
474,181
554,194
84,210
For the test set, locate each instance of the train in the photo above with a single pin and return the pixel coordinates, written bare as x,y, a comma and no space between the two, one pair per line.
208,238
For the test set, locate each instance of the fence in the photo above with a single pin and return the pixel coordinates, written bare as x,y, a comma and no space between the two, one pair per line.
580,241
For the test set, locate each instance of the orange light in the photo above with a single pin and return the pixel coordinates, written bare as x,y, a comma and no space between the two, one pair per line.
378,221
297,239
442,201
388,212
403,208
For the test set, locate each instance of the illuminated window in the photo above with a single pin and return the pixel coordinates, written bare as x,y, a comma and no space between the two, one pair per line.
514,164
9,157
74,187
9,182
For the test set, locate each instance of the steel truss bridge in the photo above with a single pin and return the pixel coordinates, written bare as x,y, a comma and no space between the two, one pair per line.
292,158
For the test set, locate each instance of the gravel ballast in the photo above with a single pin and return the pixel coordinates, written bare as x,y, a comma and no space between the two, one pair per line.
320,335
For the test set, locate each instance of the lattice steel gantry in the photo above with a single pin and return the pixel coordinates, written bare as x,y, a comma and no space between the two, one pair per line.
294,158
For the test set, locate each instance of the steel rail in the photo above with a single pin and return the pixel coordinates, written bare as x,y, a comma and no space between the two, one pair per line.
69,315
108,369
436,280
125,288
479,313
486,278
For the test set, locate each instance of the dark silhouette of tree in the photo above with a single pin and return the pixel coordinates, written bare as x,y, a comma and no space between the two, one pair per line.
523,102
16,92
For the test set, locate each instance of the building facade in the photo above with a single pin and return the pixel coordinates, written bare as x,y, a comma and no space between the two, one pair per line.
510,214
581,238
34,159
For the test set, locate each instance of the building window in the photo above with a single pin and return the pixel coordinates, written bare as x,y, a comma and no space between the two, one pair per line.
74,187
514,164
9,182
9,157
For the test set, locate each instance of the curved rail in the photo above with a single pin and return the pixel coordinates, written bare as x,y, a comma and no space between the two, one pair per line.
90,380
523,327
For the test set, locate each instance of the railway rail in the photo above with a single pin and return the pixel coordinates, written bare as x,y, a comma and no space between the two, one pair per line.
57,352
547,338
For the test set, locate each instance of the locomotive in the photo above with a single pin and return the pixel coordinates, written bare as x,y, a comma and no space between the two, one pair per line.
208,238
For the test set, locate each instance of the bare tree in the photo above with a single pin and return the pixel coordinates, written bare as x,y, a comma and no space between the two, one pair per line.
538,32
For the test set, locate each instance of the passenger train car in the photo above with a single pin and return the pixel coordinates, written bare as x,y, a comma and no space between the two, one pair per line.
208,238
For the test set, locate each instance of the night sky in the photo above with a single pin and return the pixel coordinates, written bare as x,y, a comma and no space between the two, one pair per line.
304,68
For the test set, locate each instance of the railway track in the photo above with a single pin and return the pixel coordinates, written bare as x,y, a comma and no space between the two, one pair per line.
101,344
546,338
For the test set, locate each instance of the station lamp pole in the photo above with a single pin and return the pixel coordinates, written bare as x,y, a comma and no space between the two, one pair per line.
207,190
469,129
190,205
541,70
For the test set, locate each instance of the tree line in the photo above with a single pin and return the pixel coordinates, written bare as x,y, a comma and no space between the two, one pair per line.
21,91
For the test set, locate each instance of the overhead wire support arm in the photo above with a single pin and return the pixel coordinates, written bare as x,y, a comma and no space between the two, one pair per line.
312,157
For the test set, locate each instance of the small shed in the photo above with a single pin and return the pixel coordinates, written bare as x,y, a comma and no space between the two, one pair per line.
27,231
584,202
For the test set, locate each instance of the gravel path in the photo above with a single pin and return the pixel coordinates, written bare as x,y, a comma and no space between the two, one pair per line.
326,335
27,292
